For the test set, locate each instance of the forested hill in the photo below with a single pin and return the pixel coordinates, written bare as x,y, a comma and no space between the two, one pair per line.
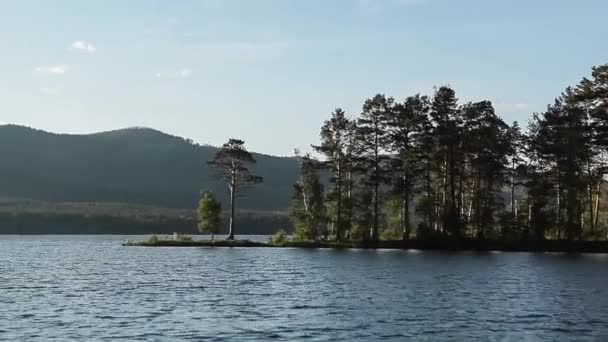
135,165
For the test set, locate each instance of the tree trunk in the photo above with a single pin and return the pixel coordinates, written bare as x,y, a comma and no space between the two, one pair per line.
376,211
406,230
376,188
339,204
231,231
480,227
591,211
559,209
597,206
470,211
463,166
513,188
429,196
590,194
529,216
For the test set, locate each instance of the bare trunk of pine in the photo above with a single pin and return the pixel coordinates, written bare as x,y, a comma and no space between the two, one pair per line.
470,212
429,196
590,194
480,228
513,188
376,188
597,206
231,231
339,209
530,216
406,230
591,210
559,208
463,166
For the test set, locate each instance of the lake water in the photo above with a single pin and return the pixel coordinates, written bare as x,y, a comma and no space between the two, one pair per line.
90,288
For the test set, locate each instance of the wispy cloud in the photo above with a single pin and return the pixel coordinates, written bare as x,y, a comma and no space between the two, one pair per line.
175,74
83,46
61,69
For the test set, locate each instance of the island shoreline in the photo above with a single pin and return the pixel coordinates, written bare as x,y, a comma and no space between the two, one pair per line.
551,246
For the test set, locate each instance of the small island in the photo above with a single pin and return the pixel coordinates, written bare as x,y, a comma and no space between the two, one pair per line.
432,173
280,240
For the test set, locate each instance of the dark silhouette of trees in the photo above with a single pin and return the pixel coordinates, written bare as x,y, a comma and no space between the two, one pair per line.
374,142
447,122
406,126
334,148
465,173
485,145
231,164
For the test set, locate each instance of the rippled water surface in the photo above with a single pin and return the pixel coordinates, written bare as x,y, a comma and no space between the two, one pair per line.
90,288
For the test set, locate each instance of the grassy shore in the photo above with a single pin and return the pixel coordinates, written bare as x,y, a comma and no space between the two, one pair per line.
430,244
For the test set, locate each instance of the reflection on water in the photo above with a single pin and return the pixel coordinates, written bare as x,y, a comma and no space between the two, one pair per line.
91,288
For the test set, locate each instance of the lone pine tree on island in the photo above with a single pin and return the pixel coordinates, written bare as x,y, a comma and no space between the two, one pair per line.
231,165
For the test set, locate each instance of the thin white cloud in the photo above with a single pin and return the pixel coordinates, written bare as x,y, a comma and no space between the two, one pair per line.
175,74
61,69
83,46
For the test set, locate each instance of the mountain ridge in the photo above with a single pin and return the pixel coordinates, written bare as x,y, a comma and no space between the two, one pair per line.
138,165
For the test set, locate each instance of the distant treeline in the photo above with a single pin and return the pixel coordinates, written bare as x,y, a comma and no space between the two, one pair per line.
429,166
36,217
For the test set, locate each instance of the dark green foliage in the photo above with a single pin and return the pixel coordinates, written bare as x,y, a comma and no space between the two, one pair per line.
209,214
307,210
447,122
335,138
279,238
374,143
486,146
465,173
406,123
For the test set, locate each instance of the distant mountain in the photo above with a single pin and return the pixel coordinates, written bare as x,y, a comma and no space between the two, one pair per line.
134,165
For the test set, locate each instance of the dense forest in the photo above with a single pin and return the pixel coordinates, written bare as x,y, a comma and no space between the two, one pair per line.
431,166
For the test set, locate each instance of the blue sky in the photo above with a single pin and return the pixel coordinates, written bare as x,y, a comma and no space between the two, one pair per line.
270,71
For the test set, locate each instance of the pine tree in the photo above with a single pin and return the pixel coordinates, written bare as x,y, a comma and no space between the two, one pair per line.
485,143
334,140
373,138
231,165
447,126
405,123
592,96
